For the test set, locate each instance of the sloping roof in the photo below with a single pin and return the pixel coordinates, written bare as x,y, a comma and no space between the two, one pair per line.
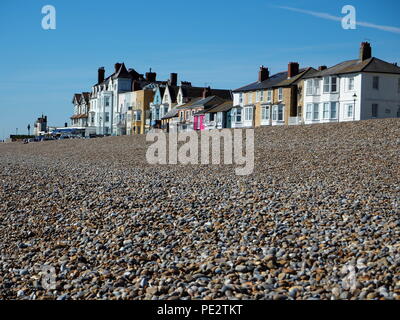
86,96
171,114
205,103
77,96
355,66
266,84
189,104
173,92
122,73
223,107
195,92
293,80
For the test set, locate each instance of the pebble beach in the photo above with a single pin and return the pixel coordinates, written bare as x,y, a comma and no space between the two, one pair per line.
319,218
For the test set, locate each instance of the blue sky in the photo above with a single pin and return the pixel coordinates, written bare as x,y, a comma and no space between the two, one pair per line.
218,43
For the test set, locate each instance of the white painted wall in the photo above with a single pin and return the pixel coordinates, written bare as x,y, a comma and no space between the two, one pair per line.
387,98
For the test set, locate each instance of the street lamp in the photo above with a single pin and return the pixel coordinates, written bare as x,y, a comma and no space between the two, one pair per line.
354,109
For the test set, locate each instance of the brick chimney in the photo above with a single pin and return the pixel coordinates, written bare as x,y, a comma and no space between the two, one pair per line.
293,69
322,68
173,79
117,66
100,74
206,92
263,74
151,76
365,51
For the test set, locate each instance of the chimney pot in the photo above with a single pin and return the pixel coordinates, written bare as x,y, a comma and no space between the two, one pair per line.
173,79
365,51
100,75
206,92
151,76
293,69
263,74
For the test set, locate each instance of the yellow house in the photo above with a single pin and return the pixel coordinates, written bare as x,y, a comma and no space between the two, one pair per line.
272,100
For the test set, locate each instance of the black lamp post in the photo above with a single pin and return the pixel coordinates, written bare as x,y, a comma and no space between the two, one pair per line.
354,110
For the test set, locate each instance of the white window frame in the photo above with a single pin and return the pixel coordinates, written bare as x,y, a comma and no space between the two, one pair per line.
331,110
326,110
240,98
248,114
250,97
349,107
281,112
265,113
336,84
269,95
309,111
351,84
316,112
326,85
309,87
262,95
280,94
275,113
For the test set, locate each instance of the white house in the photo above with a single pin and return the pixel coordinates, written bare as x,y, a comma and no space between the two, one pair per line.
82,118
353,90
107,112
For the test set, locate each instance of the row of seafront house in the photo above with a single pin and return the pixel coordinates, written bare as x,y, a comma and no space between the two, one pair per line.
127,102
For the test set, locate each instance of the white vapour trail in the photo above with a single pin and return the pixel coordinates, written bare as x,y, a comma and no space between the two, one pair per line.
328,16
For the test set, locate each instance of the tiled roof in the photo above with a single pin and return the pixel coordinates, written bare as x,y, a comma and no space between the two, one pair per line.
290,81
266,84
223,107
122,73
171,114
355,66
194,92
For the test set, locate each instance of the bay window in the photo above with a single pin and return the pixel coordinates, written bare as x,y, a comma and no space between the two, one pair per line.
277,113
326,110
334,110
309,111
238,115
265,113
316,111
248,114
